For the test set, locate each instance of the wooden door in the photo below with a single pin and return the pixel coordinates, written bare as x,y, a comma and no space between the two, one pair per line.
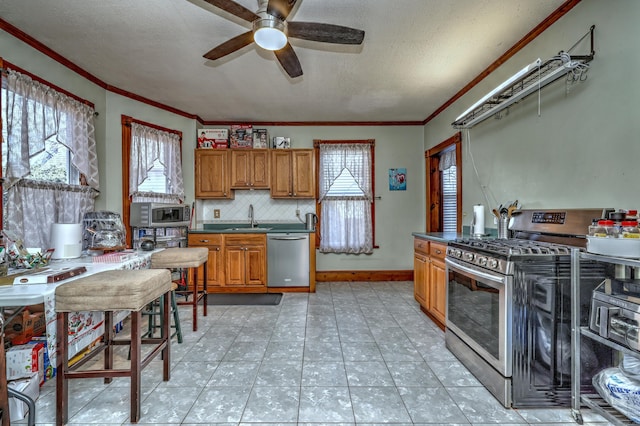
438,290
420,271
303,173
212,174
255,258
259,164
240,169
281,173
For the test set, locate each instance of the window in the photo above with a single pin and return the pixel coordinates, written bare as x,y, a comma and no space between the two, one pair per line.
345,181
48,157
444,187
152,164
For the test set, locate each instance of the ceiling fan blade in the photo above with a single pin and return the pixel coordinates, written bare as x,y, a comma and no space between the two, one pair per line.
327,33
289,61
230,46
280,8
235,9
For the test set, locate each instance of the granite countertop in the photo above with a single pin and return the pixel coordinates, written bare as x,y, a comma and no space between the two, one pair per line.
445,237
245,228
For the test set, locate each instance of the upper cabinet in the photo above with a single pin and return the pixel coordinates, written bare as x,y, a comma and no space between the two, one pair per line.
212,174
292,173
250,169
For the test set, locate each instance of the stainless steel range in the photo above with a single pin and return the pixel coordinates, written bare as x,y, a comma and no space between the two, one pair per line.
509,310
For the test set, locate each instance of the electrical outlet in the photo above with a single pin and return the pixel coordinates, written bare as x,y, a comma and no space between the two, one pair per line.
297,212
216,214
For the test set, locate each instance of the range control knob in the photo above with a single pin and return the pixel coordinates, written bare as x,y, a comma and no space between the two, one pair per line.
457,253
469,256
493,263
482,261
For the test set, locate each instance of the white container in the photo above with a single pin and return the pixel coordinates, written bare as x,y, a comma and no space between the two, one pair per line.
66,240
617,247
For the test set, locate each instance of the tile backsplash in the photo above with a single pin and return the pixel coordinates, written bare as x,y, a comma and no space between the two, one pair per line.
265,208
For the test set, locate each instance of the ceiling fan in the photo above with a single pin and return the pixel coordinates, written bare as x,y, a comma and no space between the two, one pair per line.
271,31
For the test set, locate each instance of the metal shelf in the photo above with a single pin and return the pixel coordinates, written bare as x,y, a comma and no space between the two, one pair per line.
600,406
593,401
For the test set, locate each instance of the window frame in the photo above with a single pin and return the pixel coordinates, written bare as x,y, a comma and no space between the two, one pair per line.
126,164
434,219
316,151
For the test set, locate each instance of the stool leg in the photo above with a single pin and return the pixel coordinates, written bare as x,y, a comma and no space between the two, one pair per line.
166,336
62,389
195,299
135,365
108,341
205,287
176,316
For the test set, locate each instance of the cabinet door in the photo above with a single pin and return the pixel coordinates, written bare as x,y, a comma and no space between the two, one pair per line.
255,258
234,261
303,173
281,174
259,164
438,289
215,266
420,276
212,174
240,169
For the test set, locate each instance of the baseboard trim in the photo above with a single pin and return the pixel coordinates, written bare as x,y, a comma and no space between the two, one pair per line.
327,276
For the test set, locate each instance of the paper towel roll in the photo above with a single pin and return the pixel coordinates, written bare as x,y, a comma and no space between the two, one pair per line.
66,240
478,220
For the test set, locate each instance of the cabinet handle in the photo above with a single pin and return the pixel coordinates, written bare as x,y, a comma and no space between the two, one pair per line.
204,241
217,248
438,251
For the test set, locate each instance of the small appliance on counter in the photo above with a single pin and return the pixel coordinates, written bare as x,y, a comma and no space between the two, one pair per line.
103,231
66,240
311,221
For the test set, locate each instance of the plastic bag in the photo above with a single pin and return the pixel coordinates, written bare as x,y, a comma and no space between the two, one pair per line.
620,391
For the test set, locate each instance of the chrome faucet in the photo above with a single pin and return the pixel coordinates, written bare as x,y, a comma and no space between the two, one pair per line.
251,219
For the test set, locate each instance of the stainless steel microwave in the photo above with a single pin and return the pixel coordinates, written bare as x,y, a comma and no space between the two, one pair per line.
150,215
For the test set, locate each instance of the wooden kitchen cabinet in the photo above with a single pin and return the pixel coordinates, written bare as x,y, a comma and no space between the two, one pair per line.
215,264
245,258
437,294
430,280
212,174
292,173
249,169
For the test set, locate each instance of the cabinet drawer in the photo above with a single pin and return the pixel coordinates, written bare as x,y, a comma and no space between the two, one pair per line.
203,240
438,250
421,246
244,239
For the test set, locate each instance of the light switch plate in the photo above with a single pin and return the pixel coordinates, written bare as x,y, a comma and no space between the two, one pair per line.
216,214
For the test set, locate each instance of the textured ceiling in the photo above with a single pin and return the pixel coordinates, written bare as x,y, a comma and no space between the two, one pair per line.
416,54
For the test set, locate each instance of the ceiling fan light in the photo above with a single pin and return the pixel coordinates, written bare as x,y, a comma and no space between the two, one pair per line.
269,34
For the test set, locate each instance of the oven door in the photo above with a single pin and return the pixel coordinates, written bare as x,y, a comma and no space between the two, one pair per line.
479,312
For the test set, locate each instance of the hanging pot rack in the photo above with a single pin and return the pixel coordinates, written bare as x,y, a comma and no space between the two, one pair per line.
529,80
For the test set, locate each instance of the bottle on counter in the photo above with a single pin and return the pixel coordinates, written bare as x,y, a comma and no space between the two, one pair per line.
630,229
605,228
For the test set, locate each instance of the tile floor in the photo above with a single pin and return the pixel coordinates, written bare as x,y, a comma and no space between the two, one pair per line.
350,354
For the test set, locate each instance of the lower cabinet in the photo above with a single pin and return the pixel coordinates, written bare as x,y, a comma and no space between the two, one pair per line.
430,280
237,262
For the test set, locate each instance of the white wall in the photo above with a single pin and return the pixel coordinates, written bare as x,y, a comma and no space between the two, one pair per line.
583,150
398,213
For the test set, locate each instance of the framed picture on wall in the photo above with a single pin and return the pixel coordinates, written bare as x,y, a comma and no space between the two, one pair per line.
398,179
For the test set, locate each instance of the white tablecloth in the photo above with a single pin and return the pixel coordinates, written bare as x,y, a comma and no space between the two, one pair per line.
84,327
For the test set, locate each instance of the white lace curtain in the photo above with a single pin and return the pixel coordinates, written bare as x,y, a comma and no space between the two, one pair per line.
149,145
346,222
447,159
34,113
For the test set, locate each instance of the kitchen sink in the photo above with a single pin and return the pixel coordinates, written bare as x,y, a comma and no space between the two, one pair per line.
247,229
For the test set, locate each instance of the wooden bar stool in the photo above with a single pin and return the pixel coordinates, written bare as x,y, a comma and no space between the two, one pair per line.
186,258
109,291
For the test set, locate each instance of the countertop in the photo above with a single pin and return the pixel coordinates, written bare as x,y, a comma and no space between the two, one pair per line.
245,228
445,237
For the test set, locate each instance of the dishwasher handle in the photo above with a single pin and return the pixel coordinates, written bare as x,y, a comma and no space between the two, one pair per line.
288,238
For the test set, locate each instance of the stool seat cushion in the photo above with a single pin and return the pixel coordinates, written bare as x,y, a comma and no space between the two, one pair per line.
179,257
117,290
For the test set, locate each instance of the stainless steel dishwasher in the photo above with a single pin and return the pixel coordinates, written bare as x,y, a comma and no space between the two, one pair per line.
288,260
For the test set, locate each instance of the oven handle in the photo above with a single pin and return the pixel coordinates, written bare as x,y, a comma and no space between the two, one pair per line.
474,273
